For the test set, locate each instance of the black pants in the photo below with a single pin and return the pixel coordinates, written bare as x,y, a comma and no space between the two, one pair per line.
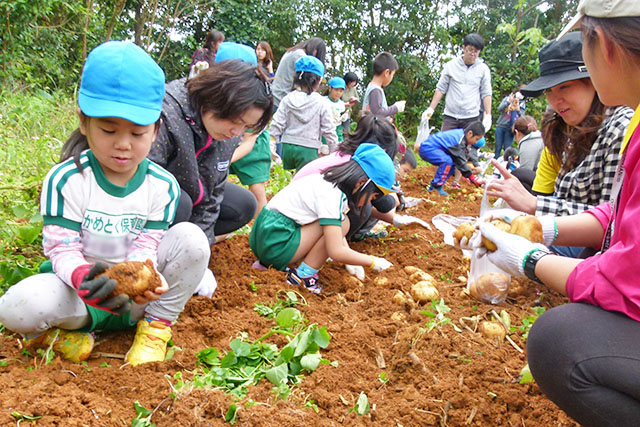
237,209
449,122
587,361
364,223
526,177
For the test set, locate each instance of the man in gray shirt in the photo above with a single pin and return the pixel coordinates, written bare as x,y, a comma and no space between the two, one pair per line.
466,81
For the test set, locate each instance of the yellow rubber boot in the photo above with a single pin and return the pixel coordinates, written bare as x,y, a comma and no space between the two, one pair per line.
150,343
72,346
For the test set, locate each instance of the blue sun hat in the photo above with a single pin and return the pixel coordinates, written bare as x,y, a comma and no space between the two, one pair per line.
337,83
120,79
310,64
231,50
377,165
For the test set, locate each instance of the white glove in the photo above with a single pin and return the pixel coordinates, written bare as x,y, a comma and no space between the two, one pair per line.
207,285
400,220
549,229
355,270
324,150
470,244
512,249
486,122
426,114
400,105
380,264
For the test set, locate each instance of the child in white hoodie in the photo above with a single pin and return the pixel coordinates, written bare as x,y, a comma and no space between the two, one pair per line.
303,118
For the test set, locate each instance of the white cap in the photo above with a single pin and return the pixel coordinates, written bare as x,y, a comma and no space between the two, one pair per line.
602,9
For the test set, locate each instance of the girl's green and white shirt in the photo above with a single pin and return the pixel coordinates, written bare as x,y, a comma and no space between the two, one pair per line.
108,217
310,199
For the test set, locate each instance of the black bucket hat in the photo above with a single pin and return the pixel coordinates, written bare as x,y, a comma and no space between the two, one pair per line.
560,61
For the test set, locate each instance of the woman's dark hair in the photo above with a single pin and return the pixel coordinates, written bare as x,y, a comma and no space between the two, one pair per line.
623,31
229,88
269,56
571,144
346,177
305,81
525,125
473,39
315,46
373,129
213,37
350,77
77,143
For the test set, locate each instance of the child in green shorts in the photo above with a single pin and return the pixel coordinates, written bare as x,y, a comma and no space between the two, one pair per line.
303,117
306,220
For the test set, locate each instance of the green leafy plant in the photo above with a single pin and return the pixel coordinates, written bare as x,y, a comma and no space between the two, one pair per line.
437,314
143,416
527,321
248,362
289,299
23,417
383,377
525,375
362,406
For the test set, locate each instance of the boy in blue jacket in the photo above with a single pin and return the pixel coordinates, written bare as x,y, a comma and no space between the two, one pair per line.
450,150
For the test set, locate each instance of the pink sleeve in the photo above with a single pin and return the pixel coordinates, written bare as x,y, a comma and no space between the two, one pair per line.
63,247
602,212
609,280
146,246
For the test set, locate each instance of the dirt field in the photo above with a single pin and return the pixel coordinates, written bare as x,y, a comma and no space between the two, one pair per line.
442,377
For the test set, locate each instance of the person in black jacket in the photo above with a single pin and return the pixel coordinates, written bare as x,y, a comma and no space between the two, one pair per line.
203,120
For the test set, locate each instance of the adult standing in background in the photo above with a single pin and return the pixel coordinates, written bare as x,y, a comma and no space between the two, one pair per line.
350,98
204,57
510,109
286,71
465,80
265,57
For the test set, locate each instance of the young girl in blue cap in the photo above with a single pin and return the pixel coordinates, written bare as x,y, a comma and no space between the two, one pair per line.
336,104
306,220
303,117
105,204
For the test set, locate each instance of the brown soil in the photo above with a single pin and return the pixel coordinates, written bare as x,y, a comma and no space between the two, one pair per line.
442,377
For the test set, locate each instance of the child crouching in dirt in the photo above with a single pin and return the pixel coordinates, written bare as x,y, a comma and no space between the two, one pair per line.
306,220
450,150
105,204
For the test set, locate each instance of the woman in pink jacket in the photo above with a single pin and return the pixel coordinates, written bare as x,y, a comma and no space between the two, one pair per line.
585,355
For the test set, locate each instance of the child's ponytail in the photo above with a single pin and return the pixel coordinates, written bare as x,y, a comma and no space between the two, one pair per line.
306,81
75,145
373,129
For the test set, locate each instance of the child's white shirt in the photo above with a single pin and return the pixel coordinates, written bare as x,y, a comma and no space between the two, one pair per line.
108,217
310,199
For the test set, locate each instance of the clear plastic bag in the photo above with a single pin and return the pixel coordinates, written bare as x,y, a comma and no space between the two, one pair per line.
423,132
486,281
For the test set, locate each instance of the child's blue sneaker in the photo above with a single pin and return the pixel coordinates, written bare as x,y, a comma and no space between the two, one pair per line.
312,283
438,189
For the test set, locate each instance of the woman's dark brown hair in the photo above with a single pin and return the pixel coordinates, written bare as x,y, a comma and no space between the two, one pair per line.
229,88
269,56
571,144
622,31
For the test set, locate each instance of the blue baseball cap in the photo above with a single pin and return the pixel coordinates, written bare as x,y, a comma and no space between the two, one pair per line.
231,50
120,79
337,83
480,143
377,165
310,64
